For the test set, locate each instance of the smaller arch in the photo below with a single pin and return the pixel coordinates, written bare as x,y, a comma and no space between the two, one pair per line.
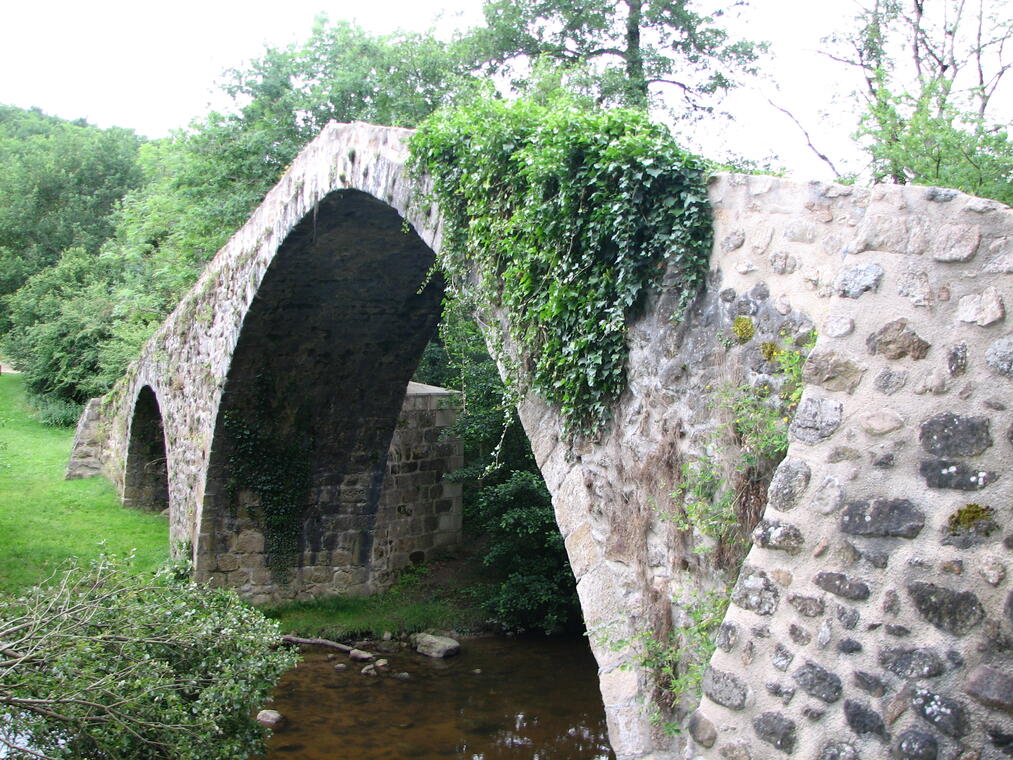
146,478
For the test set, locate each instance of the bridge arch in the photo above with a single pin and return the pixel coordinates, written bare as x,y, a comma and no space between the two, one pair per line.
146,476
311,398
828,566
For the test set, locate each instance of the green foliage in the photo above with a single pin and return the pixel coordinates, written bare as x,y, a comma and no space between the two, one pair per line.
569,216
679,658
972,518
199,186
59,183
752,437
103,664
524,546
44,519
56,412
708,504
621,49
742,329
528,583
931,72
277,472
413,604
58,321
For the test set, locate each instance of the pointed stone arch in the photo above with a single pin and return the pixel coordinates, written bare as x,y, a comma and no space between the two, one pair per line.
316,384
146,476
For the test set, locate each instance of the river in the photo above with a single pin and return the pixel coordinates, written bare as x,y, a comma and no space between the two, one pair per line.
526,698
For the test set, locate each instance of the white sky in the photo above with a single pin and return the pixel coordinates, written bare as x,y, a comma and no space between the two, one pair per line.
152,66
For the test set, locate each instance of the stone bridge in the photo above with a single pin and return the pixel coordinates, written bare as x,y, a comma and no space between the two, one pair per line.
873,614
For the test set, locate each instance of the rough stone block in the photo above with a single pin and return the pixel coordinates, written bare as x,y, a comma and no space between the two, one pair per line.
816,419
777,730
992,687
882,517
726,689
955,612
841,585
954,435
895,340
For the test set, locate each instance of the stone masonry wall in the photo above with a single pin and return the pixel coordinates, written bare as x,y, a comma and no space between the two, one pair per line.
419,513
873,615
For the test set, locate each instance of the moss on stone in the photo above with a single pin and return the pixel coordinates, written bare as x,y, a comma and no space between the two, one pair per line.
972,517
743,329
770,350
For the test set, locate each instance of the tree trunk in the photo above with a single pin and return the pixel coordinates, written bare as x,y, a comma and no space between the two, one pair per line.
636,86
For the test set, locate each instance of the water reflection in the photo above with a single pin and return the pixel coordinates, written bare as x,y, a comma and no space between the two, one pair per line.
516,699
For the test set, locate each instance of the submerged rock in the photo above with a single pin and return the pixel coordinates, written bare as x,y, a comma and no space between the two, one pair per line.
271,719
435,646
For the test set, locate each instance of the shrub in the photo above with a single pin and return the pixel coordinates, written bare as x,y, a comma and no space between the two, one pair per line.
102,664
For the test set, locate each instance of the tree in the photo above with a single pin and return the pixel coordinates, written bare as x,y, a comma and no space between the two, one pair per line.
58,184
103,664
200,185
528,583
930,76
629,46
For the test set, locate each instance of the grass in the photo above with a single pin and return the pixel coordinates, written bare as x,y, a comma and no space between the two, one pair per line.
425,598
45,519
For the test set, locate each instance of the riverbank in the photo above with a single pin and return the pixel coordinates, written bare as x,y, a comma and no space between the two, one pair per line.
44,519
442,596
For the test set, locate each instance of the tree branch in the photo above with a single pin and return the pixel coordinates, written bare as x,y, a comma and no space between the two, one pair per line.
822,156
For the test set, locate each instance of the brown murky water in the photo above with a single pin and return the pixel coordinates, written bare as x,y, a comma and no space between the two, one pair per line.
500,699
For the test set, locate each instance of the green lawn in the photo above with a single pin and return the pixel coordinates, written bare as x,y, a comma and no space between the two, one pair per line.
45,519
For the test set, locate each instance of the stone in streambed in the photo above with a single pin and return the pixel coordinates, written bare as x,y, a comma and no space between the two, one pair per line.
435,646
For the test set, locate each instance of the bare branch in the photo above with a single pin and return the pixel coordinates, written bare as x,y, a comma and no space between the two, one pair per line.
822,156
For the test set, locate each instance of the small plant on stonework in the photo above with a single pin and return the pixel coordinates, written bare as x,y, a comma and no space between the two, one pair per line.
791,361
720,504
972,518
743,329
708,504
679,658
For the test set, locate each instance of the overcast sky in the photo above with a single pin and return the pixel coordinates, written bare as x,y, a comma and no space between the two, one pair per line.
152,66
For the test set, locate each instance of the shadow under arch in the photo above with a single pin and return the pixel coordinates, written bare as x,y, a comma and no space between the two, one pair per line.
310,402
146,478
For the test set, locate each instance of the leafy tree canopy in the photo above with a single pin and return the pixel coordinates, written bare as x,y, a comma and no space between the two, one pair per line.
59,181
627,48
933,74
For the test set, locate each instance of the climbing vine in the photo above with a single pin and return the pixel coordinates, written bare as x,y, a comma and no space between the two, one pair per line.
277,472
566,216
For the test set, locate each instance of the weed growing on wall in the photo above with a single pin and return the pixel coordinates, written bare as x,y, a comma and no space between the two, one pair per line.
717,502
277,472
565,215
679,658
